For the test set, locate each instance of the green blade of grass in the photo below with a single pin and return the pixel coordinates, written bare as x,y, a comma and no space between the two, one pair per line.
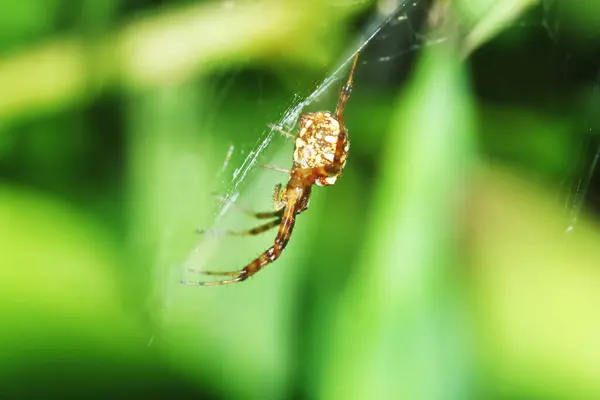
397,333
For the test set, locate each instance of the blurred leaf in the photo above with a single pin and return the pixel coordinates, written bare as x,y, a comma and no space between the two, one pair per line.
165,48
397,335
211,333
536,293
583,16
538,142
57,275
25,21
487,19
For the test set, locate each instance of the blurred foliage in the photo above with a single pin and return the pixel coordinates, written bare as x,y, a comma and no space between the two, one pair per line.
437,267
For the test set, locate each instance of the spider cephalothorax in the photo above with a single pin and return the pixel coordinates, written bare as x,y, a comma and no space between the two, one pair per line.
321,149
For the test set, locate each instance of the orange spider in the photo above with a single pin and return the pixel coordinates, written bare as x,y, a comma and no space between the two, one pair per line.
319,157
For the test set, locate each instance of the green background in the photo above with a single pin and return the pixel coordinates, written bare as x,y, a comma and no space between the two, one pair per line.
437,267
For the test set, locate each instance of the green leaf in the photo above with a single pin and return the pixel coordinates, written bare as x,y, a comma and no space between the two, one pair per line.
398,332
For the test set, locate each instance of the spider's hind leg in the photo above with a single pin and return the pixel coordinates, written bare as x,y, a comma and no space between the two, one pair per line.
242,274
239,276
247,211
247,232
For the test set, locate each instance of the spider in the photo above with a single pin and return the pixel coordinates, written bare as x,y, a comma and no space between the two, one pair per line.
321,149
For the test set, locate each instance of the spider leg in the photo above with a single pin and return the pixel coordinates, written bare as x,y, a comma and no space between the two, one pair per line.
238,277
226,273
284,133
346,90
258,215
286,226
247,232
214,283
247,211
278,201
276,168
270,255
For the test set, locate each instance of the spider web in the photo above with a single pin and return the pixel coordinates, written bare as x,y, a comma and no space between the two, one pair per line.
577,194
393,37
392,18
400,19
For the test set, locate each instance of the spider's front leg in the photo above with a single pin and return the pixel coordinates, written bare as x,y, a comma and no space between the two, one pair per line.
284,133
278,198
247,211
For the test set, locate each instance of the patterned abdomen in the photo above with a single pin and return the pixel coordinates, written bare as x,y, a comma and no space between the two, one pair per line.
317,140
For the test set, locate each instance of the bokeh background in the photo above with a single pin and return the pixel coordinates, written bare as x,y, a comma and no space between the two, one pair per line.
456,258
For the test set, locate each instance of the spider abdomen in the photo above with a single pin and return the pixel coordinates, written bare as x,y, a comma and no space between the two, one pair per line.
316,144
